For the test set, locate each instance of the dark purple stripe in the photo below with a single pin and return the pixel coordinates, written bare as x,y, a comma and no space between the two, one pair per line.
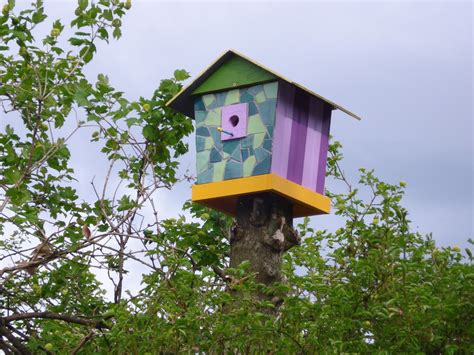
323,152
298,137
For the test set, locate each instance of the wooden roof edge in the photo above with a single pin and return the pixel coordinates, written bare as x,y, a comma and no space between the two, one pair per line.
174,102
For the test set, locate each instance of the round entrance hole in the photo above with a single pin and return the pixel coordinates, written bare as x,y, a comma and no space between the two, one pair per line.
234,120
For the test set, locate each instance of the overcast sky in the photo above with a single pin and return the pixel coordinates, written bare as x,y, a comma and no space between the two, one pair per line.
405,67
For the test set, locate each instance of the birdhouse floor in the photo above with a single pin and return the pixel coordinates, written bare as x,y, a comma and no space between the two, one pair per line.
223,195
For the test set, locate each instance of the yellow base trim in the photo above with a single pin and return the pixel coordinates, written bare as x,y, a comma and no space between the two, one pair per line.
222,195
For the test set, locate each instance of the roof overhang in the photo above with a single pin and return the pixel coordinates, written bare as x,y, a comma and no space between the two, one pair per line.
184,100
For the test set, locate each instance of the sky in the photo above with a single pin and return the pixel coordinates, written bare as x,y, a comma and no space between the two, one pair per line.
404,67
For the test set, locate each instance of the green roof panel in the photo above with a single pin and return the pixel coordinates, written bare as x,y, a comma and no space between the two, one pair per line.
234,72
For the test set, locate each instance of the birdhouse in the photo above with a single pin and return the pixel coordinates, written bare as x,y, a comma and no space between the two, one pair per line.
257,131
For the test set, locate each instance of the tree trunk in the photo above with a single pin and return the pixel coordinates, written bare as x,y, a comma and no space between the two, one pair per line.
262,233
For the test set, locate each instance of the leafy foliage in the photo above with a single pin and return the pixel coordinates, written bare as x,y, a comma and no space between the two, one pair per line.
373,285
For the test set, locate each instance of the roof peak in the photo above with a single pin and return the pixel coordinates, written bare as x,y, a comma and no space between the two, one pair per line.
231,77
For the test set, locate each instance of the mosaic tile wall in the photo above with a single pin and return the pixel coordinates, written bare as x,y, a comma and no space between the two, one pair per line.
247,156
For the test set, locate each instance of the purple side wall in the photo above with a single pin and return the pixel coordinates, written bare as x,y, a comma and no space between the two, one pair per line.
300,139
324,150
282,132
313,144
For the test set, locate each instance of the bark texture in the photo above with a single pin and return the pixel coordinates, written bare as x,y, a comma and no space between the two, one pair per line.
263,231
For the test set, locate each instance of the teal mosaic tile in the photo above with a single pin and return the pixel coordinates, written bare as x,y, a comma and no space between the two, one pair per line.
261,154
202,131
254,90
252,109
206,176
271,90
263,167
213,105
230,146
199,105
220,98
245,154
200,117
215,156
202,161
247,141
233,170
267,144
236,155
245,96
200,143
267,111
251,155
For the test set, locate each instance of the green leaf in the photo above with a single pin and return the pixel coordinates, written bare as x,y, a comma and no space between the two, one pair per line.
83,4
181,74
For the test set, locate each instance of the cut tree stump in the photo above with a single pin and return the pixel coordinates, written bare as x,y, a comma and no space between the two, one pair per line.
262,233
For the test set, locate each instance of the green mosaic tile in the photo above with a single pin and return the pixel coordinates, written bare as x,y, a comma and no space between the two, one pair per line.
213,117
208,99
255,125
260,97
217,160
263,167
271,90
233,170
261,154
219,169
267,111
199,105
232,97
202,161
230,146
205,176
258,140
208,143
200,143
202,131
249,164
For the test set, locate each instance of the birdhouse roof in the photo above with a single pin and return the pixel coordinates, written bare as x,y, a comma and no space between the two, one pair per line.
234,70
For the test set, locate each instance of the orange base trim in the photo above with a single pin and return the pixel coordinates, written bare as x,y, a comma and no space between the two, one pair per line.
223,195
